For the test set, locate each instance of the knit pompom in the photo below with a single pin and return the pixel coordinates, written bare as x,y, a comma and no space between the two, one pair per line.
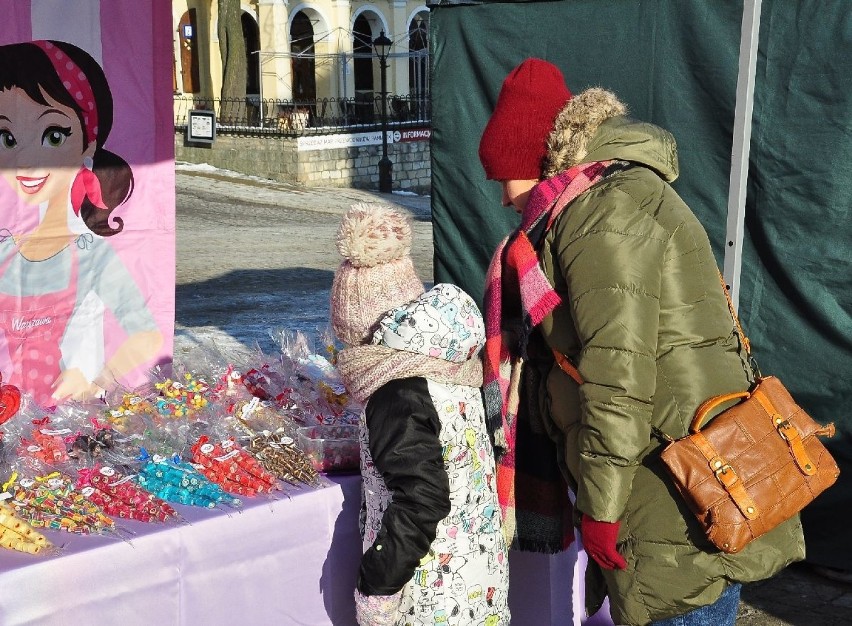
371,234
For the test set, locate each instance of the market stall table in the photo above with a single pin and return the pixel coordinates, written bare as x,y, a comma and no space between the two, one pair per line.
288,561
284,561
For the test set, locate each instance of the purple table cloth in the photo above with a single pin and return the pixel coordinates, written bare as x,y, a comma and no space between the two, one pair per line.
291,561
286,561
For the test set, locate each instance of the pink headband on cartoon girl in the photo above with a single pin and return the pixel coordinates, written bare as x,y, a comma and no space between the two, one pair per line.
75,81
85,184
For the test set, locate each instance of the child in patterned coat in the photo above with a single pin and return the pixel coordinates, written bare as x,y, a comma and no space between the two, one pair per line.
434,552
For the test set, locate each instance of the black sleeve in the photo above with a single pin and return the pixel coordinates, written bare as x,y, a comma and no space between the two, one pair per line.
403,428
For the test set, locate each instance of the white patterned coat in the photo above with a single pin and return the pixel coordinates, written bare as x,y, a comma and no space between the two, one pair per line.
431,444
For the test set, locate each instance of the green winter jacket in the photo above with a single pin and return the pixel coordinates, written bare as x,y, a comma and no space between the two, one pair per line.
646,322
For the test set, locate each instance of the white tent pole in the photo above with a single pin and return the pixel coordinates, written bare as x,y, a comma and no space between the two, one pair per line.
740,147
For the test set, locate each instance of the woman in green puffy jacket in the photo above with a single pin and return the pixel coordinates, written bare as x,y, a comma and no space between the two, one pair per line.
637,306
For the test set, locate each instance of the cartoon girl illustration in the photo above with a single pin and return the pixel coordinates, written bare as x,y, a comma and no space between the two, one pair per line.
58,273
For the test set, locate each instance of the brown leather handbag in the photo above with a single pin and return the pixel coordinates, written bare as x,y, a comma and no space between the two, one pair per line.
755,465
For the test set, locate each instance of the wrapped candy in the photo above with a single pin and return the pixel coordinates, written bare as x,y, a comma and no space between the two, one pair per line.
10,401
86,447
52,502
258,415
176,481
228,391
278,454
231,467
127,414
17,534
181,398
48,445
257,382
315,394
120,497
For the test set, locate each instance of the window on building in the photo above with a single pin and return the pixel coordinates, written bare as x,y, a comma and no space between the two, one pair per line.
304,59
362,46
251,35
418,61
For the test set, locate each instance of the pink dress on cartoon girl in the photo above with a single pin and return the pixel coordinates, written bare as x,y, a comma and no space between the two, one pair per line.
40,304
34,326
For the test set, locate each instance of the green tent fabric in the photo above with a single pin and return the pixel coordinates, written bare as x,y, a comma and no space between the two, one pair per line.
796,295
675,63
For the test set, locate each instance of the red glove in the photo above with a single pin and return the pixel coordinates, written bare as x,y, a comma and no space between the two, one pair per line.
599,540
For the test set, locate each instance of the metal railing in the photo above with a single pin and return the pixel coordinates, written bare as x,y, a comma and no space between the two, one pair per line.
291,118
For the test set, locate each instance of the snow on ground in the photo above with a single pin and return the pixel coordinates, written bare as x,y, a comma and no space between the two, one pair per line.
255,255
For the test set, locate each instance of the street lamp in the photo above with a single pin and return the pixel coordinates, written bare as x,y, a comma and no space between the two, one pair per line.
382,46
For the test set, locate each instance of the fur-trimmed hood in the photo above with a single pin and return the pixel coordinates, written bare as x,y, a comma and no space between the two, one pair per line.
593,126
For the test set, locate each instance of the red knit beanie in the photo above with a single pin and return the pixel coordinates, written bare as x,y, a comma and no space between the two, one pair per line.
514,141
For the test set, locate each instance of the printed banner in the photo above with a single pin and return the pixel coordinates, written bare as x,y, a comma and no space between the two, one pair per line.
412,134
87,203
342,140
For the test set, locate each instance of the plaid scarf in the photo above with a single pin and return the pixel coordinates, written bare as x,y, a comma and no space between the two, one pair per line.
532,492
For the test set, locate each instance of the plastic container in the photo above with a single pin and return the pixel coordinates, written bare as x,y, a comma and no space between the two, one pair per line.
331,448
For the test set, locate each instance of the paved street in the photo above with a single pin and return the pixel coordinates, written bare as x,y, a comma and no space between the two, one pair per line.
256,255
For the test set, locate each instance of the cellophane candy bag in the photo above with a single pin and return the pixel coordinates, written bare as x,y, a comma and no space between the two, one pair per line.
231,467
177,481
17,534
120,497
280,456
51,502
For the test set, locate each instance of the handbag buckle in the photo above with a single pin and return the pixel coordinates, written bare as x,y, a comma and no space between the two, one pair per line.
722,470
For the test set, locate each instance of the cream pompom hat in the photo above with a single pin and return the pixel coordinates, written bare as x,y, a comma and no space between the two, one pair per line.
376,274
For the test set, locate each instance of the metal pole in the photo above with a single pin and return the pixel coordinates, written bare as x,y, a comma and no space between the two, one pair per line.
260,83
385,166
740,148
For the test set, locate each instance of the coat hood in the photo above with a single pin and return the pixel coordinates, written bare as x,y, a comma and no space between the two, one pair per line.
593,126
442,323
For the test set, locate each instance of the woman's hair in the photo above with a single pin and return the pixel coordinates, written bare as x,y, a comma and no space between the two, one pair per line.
27,67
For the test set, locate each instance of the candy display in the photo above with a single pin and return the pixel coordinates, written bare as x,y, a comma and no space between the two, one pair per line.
261,424
277,452
120,497
229,466
181,483
17,534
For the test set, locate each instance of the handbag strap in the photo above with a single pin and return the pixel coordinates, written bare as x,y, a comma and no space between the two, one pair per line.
745,340
788,432
567,366
727,476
